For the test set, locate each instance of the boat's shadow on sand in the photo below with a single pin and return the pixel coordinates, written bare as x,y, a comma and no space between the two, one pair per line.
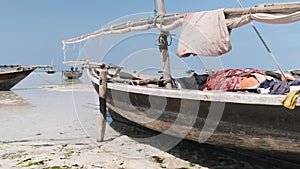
203,154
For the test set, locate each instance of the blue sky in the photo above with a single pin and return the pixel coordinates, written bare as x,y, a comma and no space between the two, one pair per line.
32,30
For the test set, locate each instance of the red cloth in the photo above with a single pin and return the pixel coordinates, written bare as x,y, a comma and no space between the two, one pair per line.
229,79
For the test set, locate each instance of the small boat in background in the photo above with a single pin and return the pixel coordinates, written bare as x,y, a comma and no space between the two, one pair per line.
51,71
73,73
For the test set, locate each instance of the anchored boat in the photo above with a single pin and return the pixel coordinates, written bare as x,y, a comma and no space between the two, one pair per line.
10,75
223,112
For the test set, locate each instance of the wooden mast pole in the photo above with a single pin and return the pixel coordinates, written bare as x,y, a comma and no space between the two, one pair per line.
102,102
163,47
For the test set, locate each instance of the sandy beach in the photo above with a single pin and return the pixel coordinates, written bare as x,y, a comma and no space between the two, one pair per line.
51,123
117,151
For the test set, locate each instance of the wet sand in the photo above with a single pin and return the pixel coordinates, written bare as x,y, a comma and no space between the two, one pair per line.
48,122
117,151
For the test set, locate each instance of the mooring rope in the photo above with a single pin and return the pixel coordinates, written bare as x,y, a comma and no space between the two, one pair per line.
43,78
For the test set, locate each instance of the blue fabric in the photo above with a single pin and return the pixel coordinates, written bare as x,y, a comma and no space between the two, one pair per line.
283,87
266,84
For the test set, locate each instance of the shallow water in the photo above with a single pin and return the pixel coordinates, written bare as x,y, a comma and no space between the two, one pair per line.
49,107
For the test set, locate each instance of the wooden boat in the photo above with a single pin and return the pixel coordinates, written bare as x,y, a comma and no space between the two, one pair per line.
238,120
10,75
73,73
246,121
50,71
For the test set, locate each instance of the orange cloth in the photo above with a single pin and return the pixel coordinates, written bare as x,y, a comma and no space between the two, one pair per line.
249,82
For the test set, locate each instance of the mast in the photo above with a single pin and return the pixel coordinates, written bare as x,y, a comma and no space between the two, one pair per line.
163,47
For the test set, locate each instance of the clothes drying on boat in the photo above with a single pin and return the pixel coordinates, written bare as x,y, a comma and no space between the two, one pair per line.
204,33
233,79
267,84
283,87
290,100
249,82
196,82
238,79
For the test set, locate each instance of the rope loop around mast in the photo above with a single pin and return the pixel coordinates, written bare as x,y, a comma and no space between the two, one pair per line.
163,35
161,42
161,16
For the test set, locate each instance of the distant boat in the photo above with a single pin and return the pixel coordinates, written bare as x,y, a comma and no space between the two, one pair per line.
10,75
73,73
50,71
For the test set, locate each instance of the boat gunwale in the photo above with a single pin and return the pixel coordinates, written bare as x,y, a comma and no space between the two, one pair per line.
189,94
10,71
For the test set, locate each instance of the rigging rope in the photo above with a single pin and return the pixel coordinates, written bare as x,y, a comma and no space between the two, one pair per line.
264,43
160,40
43,78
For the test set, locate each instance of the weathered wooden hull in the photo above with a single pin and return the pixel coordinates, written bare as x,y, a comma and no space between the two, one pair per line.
72,74
10,78
270,130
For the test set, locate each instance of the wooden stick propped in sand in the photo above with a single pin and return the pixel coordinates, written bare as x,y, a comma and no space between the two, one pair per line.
102,101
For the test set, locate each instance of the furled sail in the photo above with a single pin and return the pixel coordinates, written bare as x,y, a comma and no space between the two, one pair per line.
276,18
274,13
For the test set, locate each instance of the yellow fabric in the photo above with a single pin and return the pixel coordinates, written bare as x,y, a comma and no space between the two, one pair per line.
290,100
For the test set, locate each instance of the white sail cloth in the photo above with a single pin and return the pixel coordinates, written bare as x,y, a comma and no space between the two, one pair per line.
204,33
177,22
264,18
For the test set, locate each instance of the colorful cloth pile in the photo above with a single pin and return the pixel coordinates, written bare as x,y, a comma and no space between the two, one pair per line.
268,82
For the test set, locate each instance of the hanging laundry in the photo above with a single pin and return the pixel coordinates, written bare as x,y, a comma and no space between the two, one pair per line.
290,100
204,33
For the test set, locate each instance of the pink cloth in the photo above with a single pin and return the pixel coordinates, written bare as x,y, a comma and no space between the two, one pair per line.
229,79
204,33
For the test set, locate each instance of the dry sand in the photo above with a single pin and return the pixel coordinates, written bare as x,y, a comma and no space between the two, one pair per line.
116,152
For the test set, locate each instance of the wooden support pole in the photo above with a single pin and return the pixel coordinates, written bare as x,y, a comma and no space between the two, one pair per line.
102,101
164,47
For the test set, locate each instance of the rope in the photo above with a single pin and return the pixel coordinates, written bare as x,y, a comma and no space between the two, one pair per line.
43,78
161,16
80,123
160,40
264,43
